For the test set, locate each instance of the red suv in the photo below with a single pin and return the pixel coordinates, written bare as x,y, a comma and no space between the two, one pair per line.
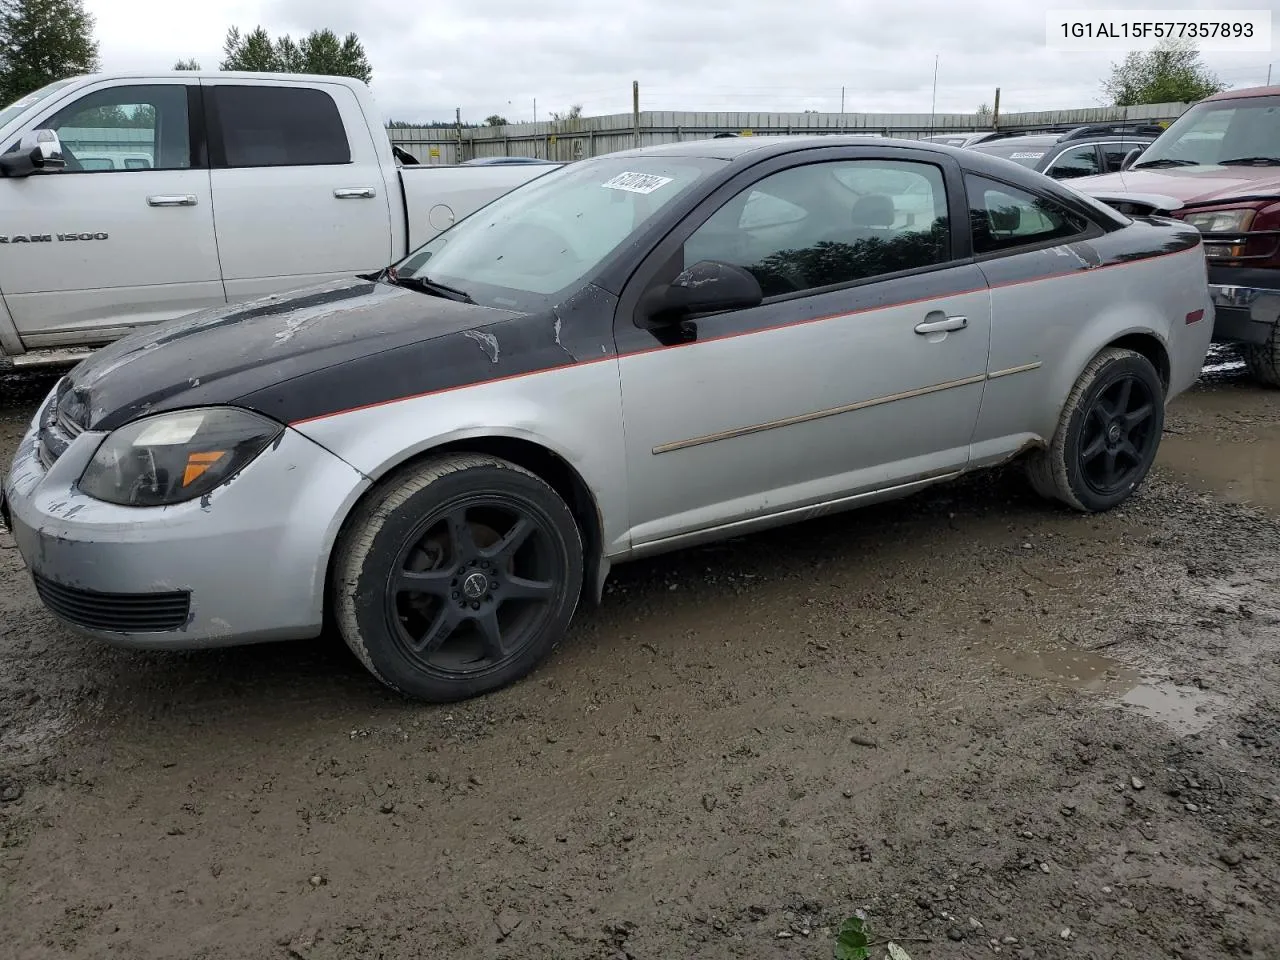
1218,168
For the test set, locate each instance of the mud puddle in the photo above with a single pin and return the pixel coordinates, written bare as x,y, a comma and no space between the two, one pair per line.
1245,472
1182,709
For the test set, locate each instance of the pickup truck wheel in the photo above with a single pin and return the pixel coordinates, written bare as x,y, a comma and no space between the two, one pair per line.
457,577
1263,360
1107,435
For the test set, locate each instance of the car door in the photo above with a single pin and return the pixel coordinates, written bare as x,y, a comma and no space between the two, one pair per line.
105,244
297,185
862,369
1022,242
1082,161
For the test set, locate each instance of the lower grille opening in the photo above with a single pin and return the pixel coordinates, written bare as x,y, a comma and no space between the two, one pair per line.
115,612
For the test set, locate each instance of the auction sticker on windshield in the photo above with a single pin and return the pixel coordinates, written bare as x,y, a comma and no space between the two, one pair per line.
637,182
1026,156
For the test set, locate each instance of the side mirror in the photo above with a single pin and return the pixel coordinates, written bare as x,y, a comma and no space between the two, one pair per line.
40,151
1130,158
706,287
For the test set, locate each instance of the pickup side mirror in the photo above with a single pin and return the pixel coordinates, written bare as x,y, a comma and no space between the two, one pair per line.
39,151
706,287
1130,157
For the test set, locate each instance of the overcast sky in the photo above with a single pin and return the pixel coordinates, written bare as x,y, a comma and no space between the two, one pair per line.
497,56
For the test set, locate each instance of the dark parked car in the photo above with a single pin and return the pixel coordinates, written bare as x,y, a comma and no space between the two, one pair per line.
1081,152
963,139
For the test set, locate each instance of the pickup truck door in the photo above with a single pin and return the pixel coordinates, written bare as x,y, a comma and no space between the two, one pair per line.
124,234
863,369
298,185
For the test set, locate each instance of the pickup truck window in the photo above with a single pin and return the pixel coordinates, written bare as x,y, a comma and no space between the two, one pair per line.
147,123
546,236
262,126
1215,131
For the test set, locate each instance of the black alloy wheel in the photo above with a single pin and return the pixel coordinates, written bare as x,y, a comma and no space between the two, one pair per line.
456,576
473,585
1118,435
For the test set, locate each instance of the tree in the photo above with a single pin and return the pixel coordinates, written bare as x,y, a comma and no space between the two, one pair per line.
42,41
573,113
1170,73
319,52
983,116
255,53
141,116
191,63
493,120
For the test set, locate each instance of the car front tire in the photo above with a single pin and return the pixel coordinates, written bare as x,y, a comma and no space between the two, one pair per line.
457,576
1107,436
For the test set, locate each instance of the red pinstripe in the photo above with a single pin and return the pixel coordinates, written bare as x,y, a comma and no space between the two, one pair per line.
743,333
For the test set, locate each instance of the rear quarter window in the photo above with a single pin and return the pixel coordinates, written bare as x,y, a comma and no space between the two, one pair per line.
1004,218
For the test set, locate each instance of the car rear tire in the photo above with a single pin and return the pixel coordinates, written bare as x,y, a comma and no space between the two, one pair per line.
1107,435
1262,361
457,576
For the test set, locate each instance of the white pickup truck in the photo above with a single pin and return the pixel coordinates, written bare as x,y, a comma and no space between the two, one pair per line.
127,199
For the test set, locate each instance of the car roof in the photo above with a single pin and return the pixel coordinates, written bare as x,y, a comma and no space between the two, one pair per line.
745,151
760,147
1029,140
1244,93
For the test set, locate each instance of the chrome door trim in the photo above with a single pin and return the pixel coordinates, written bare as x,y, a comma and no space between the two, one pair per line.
1010,371
817,414
844,408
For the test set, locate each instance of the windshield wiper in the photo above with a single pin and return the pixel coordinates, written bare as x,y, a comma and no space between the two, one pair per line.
1165,162
1250,162
428,286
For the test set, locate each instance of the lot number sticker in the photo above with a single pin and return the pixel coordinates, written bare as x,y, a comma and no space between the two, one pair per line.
1026,156
637,182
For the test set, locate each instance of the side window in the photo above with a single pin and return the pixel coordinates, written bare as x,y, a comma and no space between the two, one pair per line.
830,223
1005,218
263,126
1078,162
1113,154
105,129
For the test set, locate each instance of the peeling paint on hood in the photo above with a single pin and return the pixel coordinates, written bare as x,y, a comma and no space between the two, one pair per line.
218,355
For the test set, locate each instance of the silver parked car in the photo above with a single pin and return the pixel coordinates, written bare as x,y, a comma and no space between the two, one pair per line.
632,354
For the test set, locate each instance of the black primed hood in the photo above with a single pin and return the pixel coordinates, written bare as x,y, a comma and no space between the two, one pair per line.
228,352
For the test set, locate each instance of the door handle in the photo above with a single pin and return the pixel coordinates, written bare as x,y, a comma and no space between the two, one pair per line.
941,326
172,200
355,193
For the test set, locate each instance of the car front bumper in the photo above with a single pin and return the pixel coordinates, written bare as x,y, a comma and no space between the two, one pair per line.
243,565
1244,314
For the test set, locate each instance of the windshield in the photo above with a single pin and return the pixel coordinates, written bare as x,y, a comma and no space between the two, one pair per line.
525,249
1026,154
1219,130
20,105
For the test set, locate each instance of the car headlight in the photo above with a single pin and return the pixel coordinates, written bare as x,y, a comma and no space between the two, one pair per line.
173,457
1221,221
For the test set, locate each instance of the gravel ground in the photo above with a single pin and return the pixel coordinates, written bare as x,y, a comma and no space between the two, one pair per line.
993,726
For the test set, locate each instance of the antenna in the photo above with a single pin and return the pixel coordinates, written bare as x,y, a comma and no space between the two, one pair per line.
933,107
